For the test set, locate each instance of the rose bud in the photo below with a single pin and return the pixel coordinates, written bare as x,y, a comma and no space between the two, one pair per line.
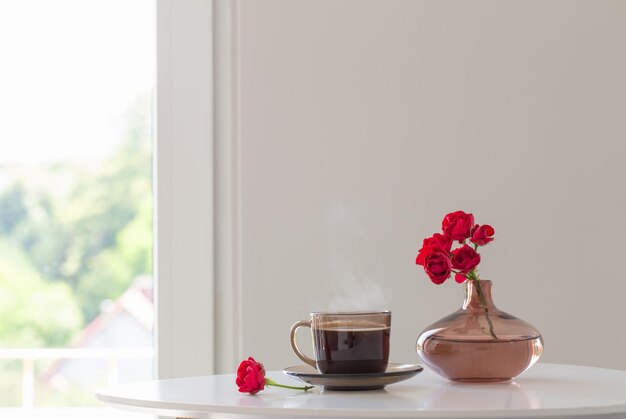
481,235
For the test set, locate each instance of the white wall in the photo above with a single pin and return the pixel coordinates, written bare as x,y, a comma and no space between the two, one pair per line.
364,121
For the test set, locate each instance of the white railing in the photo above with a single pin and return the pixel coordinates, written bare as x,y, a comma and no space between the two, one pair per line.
29,356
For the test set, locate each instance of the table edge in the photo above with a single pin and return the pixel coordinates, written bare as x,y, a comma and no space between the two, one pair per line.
203,411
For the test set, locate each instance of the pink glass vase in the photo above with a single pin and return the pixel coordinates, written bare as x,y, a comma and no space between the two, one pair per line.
478,342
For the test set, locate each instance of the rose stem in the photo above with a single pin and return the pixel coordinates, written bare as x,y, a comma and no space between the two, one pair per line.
482,300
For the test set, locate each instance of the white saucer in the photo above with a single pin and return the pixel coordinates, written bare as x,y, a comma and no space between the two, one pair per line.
394,374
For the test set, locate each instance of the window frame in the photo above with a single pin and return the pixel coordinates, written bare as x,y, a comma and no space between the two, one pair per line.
196,223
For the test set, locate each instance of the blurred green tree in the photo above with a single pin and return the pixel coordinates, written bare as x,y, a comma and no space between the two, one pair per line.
34,312
76,233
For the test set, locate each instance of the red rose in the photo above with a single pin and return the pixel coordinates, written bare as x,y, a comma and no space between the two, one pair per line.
250,376
465,259
433,244
439,241
437,266
457,225
481,235
422,253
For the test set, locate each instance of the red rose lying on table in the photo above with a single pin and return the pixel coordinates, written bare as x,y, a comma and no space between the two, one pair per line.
251,378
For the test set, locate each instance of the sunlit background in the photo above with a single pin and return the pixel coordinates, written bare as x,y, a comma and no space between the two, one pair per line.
76,98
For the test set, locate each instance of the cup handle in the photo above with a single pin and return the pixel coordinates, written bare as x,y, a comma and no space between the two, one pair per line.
294,345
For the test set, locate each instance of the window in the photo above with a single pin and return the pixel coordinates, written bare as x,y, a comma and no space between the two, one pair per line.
76,301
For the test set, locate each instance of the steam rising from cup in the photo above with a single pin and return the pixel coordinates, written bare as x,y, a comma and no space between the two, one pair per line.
348,259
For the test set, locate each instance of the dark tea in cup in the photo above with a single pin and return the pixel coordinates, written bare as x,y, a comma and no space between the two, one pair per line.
347,343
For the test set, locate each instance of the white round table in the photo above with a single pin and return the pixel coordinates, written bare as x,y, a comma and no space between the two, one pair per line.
546,390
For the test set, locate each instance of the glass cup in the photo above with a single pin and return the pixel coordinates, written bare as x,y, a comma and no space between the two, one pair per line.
347,343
